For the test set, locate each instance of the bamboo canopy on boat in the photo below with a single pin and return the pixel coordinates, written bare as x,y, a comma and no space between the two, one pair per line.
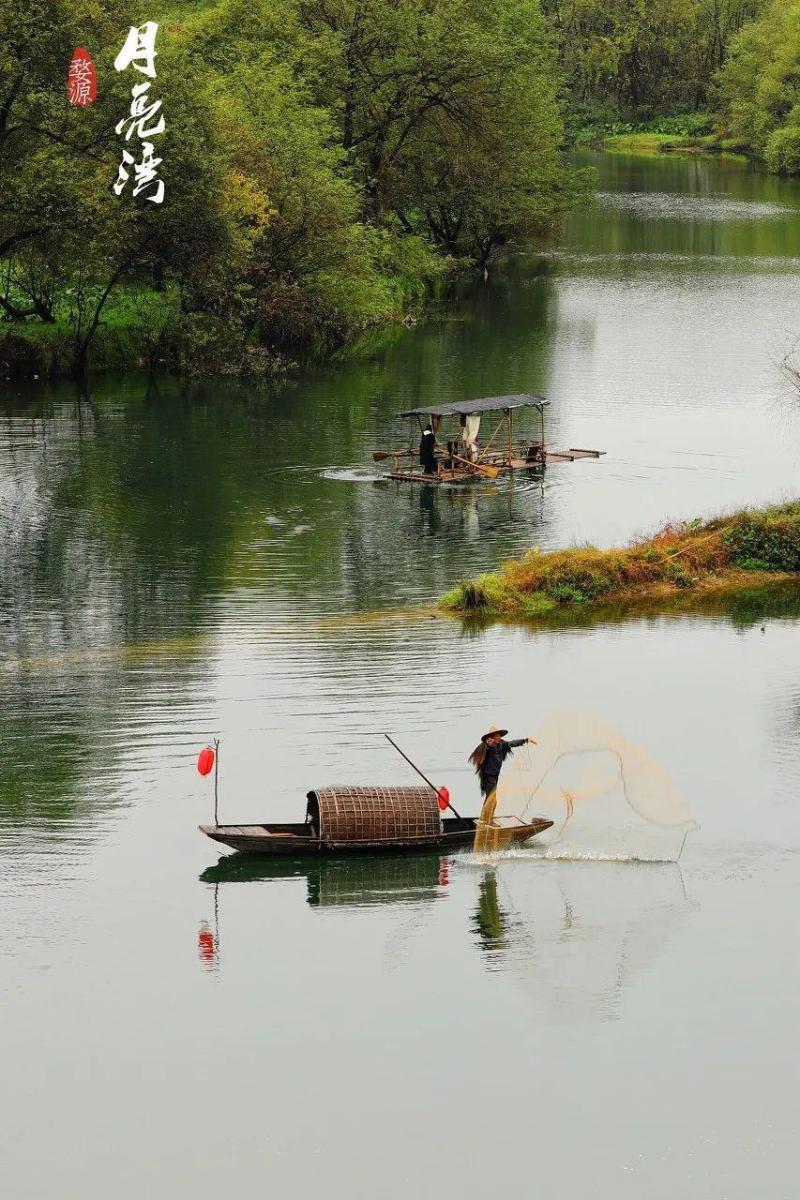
354,814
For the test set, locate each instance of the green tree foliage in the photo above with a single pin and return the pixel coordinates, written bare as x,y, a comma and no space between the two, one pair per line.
760,86
323,160
448,114
636,59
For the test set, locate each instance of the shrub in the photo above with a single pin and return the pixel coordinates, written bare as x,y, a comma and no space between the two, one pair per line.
782,151
765,542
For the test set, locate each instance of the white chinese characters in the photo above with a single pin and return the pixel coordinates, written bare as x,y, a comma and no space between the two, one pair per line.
139,50
145,119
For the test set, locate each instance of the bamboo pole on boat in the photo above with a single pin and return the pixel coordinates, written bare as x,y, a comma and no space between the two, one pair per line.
216,782
416,768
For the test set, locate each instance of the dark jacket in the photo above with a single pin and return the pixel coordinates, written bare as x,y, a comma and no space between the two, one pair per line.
427,450
493,762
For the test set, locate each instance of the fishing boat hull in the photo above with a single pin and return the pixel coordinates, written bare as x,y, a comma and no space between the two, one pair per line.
279,840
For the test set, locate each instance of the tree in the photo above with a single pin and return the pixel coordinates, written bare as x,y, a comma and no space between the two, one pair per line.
448,113
637,59
760,86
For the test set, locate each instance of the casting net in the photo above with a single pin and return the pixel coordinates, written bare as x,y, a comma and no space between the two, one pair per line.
606,797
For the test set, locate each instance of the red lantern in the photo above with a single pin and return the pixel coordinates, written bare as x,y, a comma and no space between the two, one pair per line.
205,760
82,79
206,945
444,798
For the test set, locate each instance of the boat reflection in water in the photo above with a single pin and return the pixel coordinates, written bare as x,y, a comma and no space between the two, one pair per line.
572,935
345,882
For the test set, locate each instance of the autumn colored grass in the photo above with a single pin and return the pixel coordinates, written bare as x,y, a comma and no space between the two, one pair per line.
726,553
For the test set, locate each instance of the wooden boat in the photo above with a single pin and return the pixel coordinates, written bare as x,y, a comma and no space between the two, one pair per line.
462,459
345,819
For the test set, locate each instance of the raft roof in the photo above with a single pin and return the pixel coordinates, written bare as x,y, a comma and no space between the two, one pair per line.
488,404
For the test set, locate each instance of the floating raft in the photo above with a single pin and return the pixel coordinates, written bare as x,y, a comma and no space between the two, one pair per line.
514,464
461,459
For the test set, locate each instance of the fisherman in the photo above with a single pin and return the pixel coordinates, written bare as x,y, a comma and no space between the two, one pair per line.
487,758
427,450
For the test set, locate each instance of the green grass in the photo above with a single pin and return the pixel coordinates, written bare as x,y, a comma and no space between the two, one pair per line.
725,554
637,143
134,325
650,144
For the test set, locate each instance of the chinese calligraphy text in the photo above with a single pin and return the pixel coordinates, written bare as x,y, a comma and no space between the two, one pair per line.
81,79
145,119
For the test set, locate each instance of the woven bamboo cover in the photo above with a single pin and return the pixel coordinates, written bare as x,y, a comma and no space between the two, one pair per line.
374,814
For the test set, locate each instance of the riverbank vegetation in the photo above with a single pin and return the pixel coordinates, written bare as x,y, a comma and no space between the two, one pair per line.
690,75
760,86
328,165
634,62
744,550
325,167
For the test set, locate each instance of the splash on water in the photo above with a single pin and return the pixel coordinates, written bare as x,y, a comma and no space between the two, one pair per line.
351,475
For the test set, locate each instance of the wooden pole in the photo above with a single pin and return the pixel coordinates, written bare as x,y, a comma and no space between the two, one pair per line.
416,768
478,468
510,419
216,782
541,414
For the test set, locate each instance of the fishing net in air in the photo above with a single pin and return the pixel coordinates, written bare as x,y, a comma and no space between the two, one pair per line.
606,797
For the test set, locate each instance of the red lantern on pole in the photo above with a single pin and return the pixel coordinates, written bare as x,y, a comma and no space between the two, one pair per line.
205,760
206,945
444,799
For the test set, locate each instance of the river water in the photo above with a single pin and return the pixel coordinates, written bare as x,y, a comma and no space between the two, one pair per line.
183,562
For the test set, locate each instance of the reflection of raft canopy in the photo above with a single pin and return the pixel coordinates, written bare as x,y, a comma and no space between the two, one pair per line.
366,881
462,458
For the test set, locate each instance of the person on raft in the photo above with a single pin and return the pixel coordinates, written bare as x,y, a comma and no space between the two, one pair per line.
487,758
427,450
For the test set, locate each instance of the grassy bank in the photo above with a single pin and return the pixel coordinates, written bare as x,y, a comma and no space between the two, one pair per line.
666,143
755,548
692,133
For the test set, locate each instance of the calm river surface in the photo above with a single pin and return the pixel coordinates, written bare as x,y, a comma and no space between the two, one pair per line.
178,563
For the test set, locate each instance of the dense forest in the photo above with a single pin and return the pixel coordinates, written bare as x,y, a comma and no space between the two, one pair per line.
328,162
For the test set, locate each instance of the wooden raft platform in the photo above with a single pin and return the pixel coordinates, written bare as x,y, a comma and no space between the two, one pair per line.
504,468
